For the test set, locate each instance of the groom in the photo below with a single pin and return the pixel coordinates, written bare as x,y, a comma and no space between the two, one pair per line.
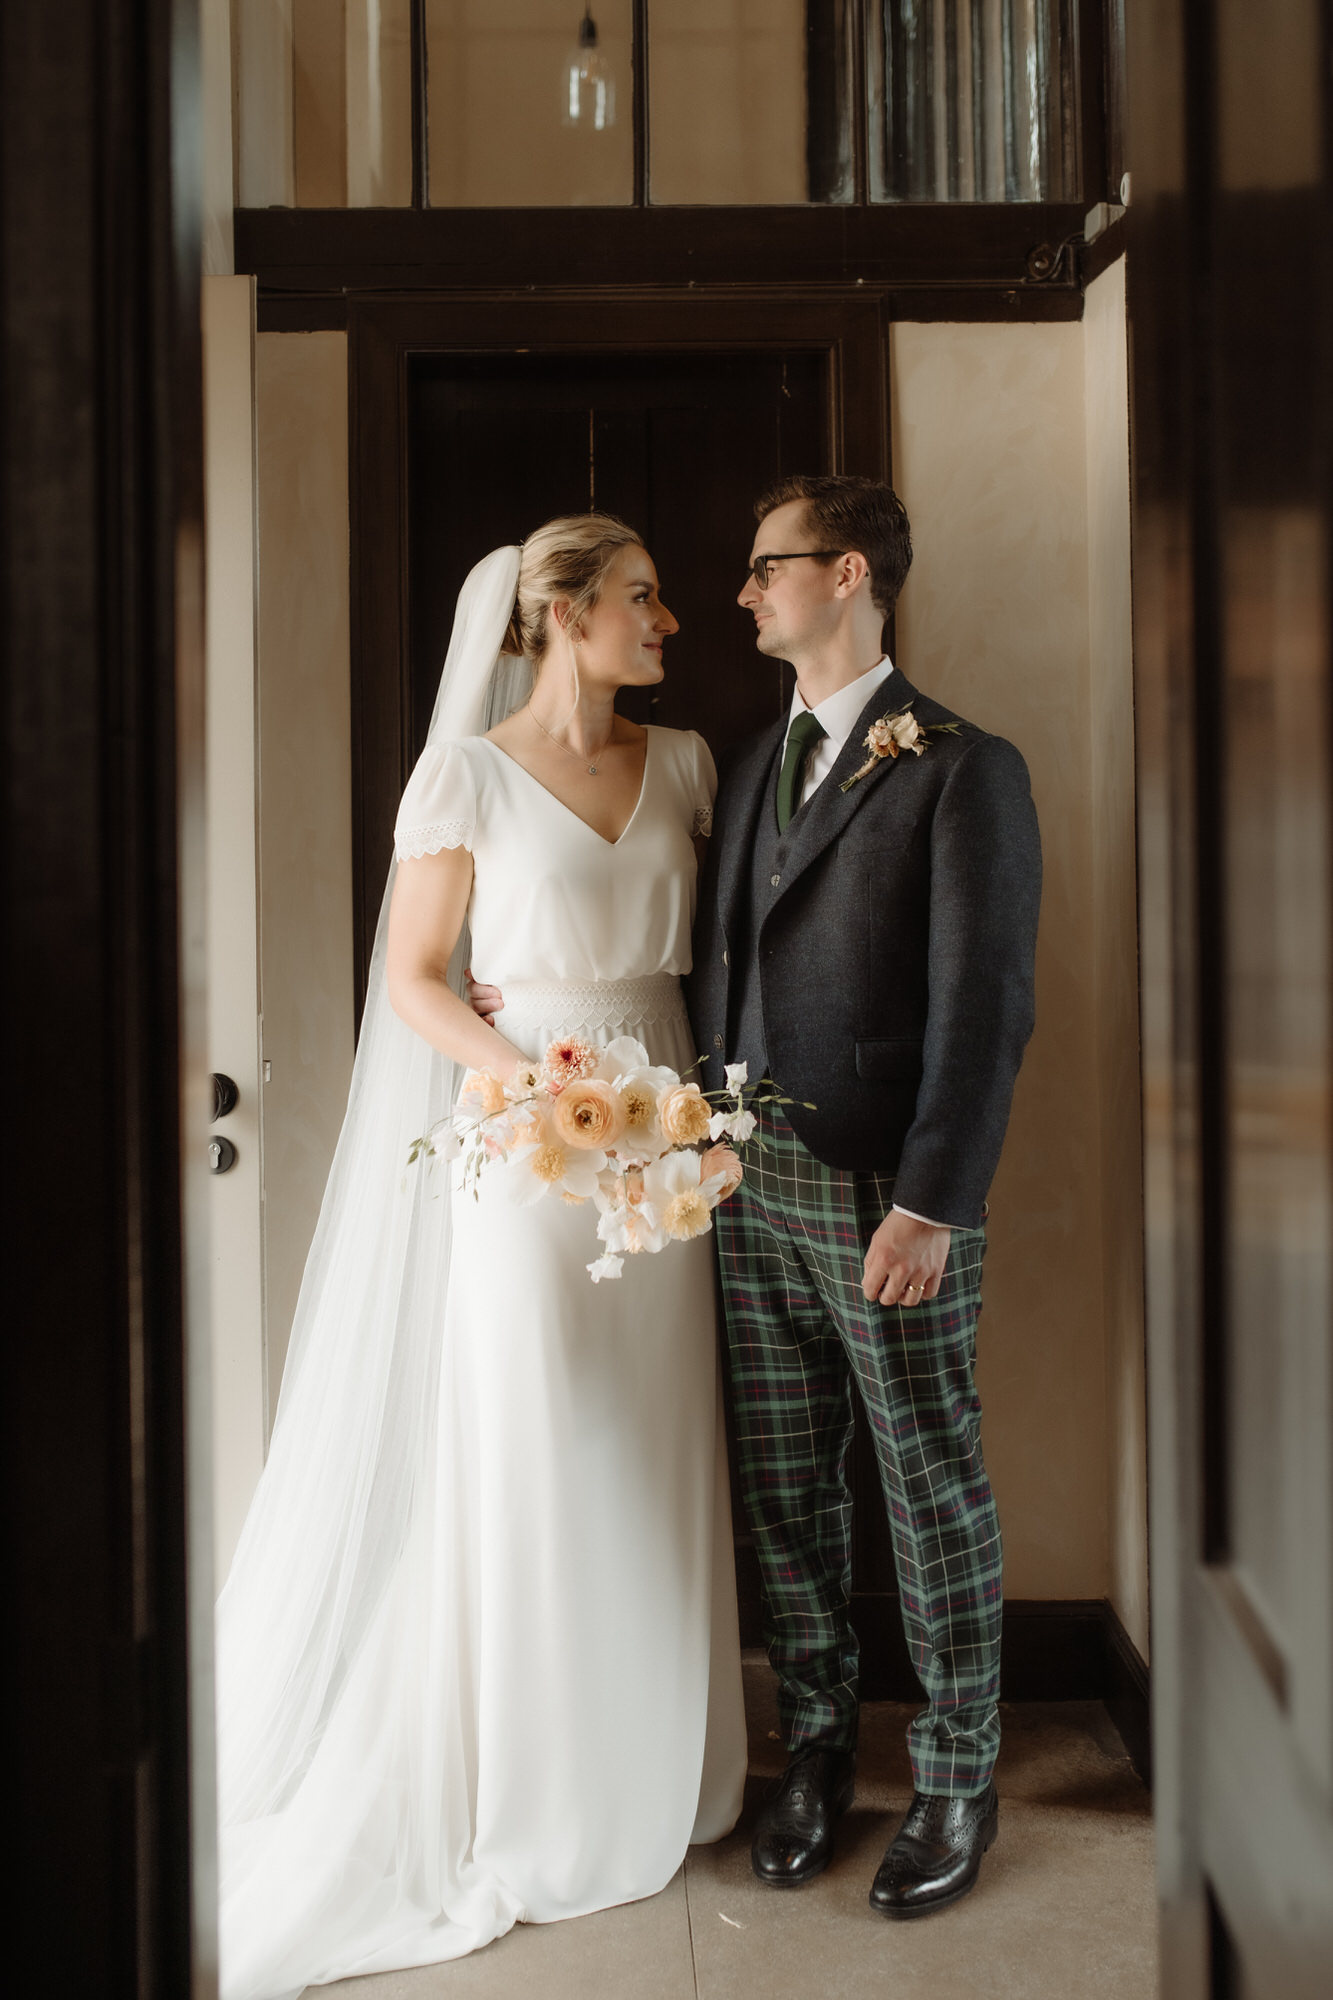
865,939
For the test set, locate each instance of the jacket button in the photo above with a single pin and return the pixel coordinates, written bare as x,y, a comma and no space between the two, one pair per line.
726,958
774,880
717,1041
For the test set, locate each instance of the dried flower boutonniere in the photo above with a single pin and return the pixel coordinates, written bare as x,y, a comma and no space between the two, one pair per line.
893,734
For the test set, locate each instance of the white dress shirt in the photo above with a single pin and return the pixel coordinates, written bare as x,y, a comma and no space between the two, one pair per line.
838,713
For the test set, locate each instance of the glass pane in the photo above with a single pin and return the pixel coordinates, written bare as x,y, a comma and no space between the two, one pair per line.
324,103
749,101
970,100
530,103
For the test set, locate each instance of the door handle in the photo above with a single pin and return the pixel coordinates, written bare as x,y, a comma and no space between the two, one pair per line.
225,1095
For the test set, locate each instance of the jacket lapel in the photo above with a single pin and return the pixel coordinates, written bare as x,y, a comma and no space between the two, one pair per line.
746,790
825,815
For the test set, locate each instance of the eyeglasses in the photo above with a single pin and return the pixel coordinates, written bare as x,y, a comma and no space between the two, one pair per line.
759,567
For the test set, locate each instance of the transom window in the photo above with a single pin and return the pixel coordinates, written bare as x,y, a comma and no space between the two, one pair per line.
672,103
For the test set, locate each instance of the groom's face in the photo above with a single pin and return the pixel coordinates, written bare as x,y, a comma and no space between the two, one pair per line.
800,602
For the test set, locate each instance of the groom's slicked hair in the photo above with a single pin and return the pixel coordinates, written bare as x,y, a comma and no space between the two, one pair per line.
845,513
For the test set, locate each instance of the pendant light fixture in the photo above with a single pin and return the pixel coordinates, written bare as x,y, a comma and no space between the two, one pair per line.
590,88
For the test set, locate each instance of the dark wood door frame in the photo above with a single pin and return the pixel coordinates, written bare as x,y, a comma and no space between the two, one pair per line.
843,324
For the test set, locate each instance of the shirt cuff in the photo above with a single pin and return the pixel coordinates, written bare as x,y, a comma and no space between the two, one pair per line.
898,1209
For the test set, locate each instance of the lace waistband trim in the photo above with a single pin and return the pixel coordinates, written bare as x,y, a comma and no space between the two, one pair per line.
595,1003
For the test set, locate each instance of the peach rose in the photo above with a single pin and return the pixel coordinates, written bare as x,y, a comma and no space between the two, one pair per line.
588,1113
893,733
684,1112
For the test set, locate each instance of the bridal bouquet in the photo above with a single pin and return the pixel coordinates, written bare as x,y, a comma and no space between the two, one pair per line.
600,1125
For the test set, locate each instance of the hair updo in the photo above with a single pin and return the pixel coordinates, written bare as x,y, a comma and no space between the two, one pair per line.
571,558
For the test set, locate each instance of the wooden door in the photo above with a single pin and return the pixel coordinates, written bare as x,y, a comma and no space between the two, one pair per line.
678,445
1233,361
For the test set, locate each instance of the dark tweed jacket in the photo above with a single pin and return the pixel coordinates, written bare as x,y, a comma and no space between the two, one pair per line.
896,963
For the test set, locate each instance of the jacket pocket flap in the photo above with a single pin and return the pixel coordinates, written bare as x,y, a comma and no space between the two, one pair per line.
891,1061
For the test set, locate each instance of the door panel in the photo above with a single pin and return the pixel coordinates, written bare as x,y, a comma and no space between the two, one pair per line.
1233,358
677,445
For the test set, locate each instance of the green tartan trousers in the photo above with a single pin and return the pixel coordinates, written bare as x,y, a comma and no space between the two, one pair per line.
792,1243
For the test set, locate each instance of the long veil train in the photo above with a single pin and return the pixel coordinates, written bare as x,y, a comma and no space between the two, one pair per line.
323,1609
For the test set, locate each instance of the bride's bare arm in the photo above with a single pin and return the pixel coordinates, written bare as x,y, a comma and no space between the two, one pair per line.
430,899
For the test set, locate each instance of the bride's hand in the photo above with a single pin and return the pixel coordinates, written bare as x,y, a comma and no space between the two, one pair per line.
484,1000
721,1160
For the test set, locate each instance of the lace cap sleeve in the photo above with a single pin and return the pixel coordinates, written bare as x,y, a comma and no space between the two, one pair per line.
704,786
439,806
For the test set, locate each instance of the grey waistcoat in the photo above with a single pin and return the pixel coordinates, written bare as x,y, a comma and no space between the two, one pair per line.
745,1029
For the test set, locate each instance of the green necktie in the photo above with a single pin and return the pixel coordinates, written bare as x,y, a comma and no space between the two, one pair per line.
802,737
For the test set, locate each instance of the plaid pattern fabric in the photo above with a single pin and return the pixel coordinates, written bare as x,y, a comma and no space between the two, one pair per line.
792,1242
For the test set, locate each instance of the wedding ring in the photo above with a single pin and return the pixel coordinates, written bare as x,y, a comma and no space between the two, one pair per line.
914,1288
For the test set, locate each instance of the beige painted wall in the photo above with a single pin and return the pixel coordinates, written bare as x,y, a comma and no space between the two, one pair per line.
234,1198
1019,504
305,797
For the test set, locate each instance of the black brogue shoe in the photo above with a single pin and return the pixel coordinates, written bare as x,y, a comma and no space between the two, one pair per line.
935,1856
794,1838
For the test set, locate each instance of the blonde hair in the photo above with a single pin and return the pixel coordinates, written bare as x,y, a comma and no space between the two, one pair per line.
569,557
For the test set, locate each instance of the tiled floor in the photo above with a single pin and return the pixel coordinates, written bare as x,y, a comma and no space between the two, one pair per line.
1063,1910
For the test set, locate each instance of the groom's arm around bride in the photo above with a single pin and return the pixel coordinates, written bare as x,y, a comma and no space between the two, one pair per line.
865,937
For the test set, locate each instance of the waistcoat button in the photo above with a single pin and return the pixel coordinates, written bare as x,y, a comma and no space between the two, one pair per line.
774,880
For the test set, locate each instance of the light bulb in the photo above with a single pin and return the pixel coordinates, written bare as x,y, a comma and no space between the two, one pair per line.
590,88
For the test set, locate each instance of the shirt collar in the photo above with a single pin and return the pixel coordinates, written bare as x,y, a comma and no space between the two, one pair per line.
838,712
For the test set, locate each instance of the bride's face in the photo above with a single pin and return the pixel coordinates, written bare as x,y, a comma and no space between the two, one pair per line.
621,640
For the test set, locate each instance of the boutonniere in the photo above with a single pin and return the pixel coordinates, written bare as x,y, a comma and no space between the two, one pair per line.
893,734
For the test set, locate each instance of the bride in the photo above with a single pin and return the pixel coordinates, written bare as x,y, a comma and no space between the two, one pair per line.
477,1656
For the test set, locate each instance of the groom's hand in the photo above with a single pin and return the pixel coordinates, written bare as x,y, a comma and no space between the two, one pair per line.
905,1261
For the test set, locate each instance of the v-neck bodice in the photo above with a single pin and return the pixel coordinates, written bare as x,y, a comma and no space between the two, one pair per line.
553,899
597,835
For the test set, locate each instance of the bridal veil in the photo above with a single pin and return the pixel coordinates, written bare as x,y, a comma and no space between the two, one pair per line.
326,1545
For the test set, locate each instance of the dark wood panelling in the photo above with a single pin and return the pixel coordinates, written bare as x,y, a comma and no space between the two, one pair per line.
1102,252
315,312
100,598
952,245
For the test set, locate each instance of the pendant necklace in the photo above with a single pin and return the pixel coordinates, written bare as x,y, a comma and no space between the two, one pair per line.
591,768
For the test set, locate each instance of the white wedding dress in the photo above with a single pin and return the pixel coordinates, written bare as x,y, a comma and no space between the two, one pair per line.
542,1707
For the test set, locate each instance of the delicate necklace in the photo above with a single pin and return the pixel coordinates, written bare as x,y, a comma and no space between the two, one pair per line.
592,768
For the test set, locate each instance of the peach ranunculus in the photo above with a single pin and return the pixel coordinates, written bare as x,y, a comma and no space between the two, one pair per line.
685,1114
569,1059
588,1113
482,1092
